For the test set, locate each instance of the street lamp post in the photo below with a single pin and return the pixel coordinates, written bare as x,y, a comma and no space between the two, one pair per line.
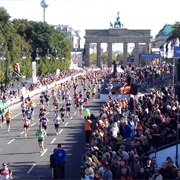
56,54
23,53
37,54
48,55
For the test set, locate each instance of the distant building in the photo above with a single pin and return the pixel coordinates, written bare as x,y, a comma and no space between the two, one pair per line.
162,36
72,35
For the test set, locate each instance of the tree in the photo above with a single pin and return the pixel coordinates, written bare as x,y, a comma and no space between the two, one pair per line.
29,34
120,57
44,37
175,31
176,34
104,58
92,58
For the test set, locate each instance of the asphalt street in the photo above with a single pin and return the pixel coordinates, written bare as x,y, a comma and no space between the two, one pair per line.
22,153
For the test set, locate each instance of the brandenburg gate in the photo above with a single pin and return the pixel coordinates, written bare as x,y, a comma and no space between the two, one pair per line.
116,35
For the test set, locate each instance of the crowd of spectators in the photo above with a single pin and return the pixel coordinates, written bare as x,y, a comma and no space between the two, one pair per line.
128,130
12,94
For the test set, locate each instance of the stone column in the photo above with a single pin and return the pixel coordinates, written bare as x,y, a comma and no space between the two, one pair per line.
98,55
109,54
125,54
136,58
87,54
147,47
147,51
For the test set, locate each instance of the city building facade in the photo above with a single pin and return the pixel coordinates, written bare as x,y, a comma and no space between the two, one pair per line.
162,36
72,35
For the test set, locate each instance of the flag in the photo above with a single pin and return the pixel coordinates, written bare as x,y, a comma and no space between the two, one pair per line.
162,50
176,42
165,49
170,49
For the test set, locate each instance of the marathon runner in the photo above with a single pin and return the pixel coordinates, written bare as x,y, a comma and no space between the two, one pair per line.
8,117
43,122
40,134
56,123
26,123
5,172
68,108
62,112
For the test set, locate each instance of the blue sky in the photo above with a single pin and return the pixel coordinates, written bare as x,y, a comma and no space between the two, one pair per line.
97,14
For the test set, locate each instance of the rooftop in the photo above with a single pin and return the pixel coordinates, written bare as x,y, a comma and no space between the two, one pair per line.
165,31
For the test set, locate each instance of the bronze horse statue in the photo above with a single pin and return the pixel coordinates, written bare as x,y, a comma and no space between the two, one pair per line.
117,23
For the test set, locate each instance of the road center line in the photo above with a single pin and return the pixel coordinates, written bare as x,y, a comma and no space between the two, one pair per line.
61,131
44,152
66,124
31,168
10,141
53,140
71,117
33,124
75,112
22,132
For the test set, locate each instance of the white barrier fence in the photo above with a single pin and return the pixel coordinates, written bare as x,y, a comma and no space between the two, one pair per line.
26,93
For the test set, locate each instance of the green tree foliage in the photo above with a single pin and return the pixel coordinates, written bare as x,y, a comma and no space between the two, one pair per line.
92,58
120,57
176,34
175,31
21,32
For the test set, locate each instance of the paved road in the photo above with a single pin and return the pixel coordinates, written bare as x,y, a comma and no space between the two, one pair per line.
22,153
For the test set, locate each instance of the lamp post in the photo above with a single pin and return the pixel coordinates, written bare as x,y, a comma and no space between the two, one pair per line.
23,53
37,54
2,53
62,56
48,55
56,54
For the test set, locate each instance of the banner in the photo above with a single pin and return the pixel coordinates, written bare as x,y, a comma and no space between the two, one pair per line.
176,51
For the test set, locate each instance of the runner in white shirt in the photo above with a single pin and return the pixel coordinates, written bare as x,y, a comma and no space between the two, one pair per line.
57,120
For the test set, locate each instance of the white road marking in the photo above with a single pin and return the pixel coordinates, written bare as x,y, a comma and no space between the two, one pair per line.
10,141
61,131
33,124
44,152
53,140
22,132
71,117
66,124
47,113
75,112
31,168
52,109
16,115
